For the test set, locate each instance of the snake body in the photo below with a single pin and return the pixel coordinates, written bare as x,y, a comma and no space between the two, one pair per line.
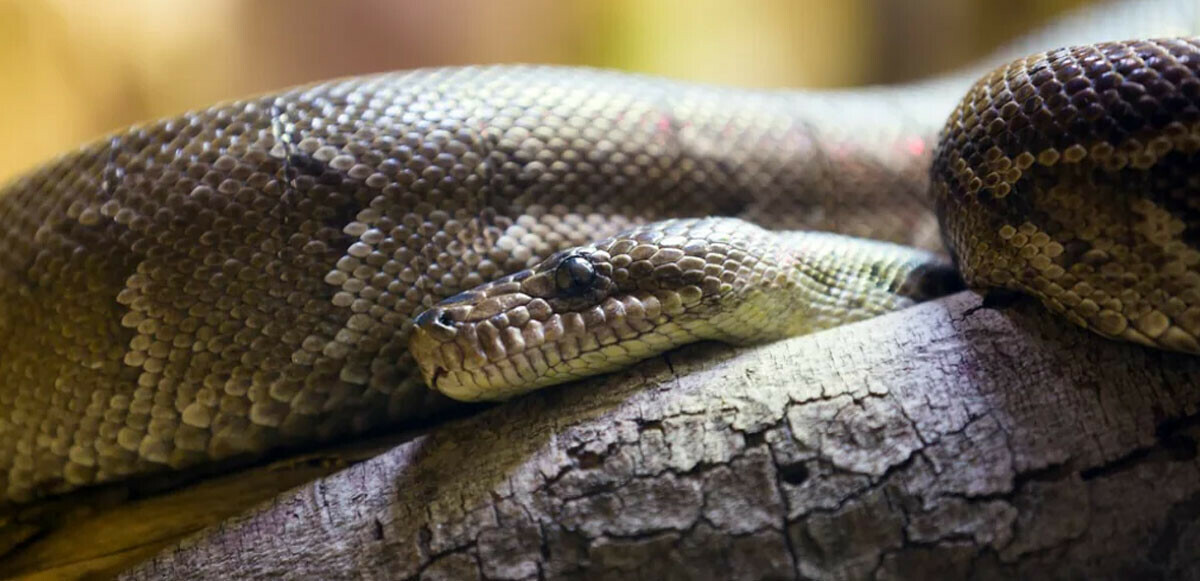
1074,177
246,277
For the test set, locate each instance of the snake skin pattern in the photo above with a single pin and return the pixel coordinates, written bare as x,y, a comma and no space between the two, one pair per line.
1073,176
244,277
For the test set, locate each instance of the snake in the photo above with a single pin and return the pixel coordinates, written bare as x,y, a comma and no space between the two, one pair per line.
305,265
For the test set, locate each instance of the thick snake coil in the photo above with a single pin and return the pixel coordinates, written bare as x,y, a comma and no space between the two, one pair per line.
246,277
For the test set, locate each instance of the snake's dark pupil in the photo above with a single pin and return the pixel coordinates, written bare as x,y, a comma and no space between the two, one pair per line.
574,274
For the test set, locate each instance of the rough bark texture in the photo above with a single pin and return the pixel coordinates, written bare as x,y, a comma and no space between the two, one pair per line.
932,442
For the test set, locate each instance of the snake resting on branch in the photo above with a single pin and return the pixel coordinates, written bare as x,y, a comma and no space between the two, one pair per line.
296,267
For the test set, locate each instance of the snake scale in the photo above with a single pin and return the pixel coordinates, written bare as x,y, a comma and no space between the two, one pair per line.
246,277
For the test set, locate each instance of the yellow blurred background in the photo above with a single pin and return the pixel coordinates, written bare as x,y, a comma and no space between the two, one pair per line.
71,70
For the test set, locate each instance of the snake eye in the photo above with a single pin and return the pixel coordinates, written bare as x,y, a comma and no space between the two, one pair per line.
574,275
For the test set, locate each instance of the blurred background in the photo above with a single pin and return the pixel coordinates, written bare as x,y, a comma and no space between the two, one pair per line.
71,70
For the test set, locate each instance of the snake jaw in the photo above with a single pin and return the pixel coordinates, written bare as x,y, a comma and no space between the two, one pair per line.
469,345
423,346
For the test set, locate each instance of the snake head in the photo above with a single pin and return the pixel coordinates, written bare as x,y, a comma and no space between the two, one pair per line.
513,334
583,311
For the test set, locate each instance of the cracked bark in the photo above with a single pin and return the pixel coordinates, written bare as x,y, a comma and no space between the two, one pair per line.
925,443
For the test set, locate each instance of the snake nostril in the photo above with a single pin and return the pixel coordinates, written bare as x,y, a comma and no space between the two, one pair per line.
424,318
436,323
435,318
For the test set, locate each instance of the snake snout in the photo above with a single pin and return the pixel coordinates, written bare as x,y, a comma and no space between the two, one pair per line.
432,328
438,322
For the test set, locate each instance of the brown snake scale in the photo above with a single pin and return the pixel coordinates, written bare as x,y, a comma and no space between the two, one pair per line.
1073,177
245,277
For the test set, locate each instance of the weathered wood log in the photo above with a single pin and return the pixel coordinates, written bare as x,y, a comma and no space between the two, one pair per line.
940,441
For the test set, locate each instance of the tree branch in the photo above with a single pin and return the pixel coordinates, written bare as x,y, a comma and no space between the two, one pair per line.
936,440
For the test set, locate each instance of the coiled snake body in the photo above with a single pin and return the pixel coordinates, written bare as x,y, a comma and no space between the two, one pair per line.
247,276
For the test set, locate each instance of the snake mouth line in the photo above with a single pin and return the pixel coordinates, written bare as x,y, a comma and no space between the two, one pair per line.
438,373
578,353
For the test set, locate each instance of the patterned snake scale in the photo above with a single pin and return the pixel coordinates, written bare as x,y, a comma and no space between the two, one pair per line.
245,277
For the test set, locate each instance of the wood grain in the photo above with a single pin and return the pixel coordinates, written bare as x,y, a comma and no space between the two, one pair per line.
939,440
